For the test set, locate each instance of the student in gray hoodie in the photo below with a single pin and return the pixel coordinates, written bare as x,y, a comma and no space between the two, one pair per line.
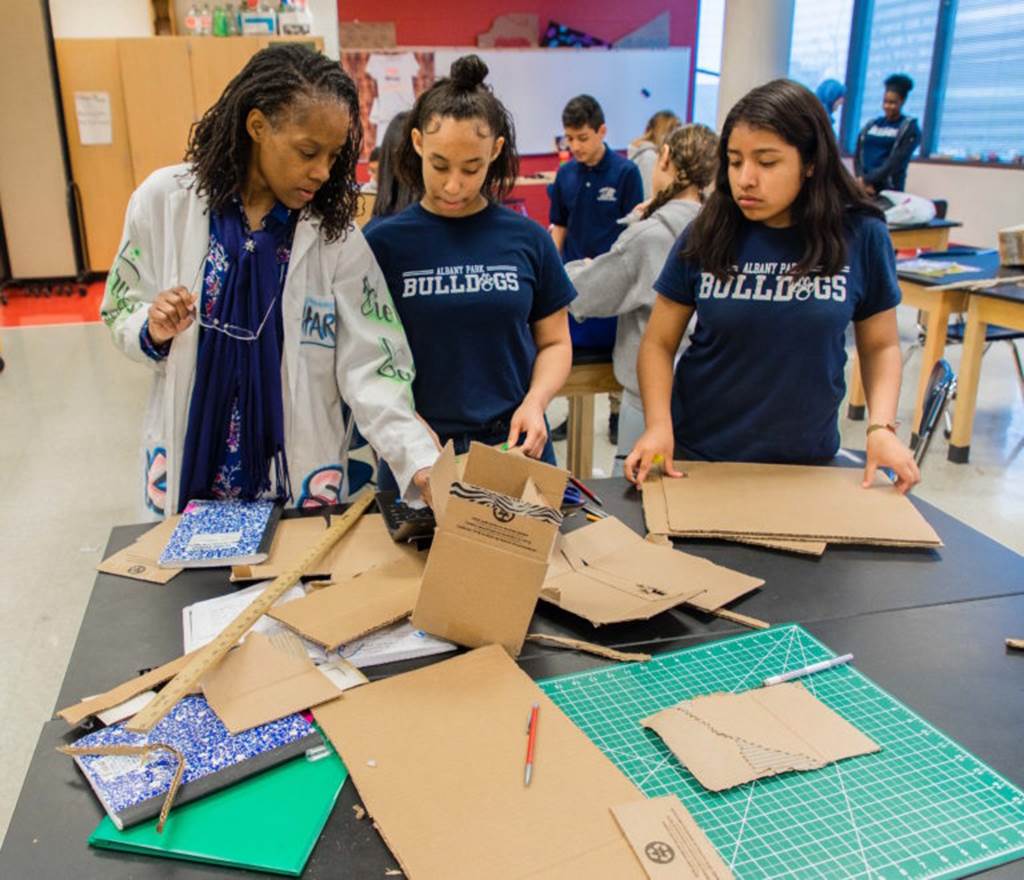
620,282
643,152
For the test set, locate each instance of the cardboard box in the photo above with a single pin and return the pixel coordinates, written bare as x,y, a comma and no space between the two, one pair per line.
498,517
139,559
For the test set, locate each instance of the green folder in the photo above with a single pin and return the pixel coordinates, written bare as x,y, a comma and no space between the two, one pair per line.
269,822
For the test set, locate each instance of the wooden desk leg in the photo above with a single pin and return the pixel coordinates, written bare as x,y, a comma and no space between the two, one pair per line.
967,386
934,349
580,436
856,405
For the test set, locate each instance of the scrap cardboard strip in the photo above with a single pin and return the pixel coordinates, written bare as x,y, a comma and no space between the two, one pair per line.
139,559
589,648
210,655
76,714
793,502
355,607
256,683
726,740
367,545
437,757
742,619
667,842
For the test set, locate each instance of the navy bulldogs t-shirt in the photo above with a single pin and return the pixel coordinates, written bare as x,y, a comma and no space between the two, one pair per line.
467,290
763,376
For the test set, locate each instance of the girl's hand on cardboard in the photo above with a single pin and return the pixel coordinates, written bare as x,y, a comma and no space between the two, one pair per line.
886,450
528,423
656,445
171,313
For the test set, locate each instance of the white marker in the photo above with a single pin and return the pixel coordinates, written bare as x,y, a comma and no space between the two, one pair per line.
808,670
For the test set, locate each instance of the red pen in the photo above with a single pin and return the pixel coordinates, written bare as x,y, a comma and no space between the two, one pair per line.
531,742
586,491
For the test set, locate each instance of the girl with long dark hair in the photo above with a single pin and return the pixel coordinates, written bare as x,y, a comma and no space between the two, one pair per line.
242,282
784,255
480,289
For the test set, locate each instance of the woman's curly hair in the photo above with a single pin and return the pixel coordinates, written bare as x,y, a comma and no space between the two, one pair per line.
219,144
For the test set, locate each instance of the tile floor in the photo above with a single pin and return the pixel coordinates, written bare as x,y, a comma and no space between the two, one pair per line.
70,415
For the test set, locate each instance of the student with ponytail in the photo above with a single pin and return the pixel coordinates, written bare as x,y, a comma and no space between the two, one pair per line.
243,284
785,255
621,282
480,290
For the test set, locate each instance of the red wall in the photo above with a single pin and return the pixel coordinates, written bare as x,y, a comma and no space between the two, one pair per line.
425,23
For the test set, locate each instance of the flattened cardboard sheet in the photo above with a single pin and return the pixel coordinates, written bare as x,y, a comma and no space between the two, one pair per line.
366,545
354,607
776,501
726,740
606,573
139,559
438,755
257,683
667,842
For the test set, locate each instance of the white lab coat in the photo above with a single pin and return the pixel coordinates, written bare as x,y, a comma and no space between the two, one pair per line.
342,340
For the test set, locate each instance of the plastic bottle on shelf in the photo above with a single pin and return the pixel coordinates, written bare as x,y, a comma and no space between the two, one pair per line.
220,21
205,21
192,21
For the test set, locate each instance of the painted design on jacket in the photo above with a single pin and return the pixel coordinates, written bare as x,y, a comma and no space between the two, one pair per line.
322,487
123,276
377,308
389,369
319,323
156,479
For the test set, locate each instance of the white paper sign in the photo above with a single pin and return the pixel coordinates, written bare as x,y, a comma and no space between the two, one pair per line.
93,112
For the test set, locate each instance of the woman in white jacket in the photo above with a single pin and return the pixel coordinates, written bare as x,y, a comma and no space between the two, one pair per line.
621,282
243,284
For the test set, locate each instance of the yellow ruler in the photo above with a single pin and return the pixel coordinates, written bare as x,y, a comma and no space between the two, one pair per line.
210,655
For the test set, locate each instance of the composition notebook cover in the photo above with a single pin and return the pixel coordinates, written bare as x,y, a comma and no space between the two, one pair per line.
269,822
132,789
215,533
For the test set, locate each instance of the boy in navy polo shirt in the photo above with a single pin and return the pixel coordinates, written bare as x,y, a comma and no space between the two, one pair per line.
590,193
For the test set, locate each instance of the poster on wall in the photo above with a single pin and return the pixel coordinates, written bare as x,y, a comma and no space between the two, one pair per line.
388,83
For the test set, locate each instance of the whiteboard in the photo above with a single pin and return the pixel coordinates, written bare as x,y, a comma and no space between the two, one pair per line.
535,84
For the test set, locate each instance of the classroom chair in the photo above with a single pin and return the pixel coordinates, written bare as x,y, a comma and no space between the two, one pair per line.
941,390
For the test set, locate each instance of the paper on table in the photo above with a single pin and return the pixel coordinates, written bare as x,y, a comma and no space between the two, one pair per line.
203,621
401,641
729,739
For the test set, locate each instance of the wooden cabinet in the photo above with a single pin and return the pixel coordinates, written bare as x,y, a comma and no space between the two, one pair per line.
157,88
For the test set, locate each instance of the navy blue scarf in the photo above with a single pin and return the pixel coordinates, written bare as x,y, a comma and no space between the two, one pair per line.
228,368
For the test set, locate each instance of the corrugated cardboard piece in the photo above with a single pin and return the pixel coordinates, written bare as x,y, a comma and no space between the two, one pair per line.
365,546
606,573
497,522
438,755
729,739
139,559
356,606
256,683
793,503
667,842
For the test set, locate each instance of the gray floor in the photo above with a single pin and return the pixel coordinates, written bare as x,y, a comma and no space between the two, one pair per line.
70,415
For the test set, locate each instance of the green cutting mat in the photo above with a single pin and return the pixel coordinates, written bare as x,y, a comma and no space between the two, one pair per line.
920,808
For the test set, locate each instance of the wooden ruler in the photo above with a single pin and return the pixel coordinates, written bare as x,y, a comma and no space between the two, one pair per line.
210,655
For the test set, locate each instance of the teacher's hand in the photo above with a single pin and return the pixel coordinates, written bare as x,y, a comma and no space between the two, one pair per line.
171,313
421,480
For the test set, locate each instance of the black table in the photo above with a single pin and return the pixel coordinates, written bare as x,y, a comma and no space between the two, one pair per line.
926,625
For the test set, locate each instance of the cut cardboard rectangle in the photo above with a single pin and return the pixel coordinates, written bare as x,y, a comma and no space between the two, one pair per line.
356,606
139,559
497,524
256,683
656,518
726,740
667,842
366,34
364,546
438,756
792,502
606,573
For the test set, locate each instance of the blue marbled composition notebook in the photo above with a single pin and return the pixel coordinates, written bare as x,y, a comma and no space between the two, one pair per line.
132,789
222,533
